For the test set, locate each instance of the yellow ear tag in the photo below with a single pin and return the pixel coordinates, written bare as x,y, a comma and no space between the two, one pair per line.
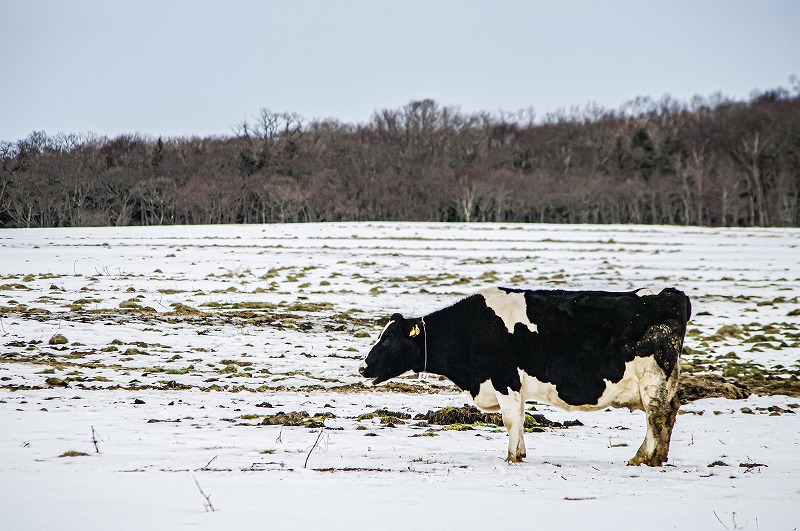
414,331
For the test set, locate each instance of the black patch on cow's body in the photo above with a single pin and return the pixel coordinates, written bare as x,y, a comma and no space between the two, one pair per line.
583,338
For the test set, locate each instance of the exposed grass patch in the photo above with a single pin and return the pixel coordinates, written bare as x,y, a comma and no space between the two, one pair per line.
310,306
458,417
774,386
725,332
73,453
178,308
58,339
247,305
459,427
130,304
384,414
272,273
297,418
13,286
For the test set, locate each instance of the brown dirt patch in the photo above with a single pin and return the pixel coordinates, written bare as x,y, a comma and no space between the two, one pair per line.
709,386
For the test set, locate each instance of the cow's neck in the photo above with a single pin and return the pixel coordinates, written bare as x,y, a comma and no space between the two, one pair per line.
447,346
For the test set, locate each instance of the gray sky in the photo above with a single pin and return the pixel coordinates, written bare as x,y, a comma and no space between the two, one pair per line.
198,67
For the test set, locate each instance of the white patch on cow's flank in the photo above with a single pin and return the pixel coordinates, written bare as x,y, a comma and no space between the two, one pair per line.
649,291
486,399
625,393
510,307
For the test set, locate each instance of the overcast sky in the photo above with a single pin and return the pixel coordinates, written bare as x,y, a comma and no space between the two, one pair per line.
196,67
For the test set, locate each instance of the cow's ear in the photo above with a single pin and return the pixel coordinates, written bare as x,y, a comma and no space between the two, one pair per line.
398,318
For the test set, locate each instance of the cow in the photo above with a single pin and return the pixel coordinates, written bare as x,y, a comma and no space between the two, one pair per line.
576,350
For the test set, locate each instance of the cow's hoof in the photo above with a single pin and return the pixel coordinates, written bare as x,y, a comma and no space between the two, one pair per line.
514,458
649,461
637,459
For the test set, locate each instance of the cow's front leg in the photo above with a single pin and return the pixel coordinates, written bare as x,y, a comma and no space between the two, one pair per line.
513,409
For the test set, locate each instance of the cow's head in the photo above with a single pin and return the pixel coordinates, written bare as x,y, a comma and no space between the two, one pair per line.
396,352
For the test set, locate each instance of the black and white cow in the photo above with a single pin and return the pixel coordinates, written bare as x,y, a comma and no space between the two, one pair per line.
578,350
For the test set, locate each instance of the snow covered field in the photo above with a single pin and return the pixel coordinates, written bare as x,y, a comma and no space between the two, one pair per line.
172,346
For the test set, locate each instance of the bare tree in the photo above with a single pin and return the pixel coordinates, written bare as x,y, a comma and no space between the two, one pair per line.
749,154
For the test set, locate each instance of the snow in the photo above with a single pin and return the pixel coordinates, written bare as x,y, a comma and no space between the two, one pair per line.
195,421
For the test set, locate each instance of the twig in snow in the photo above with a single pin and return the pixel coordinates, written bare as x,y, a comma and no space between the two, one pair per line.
207,503
751,466
94,440
3,327
159,301
733,521
279,440
209,463
316,443
719,520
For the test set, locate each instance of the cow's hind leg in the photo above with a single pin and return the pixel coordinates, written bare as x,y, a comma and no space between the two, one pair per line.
661,410
513,409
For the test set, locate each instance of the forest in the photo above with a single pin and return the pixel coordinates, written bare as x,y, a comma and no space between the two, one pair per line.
709,161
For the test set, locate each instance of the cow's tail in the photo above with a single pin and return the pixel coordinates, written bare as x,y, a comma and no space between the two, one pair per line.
674,378
688,307
674,311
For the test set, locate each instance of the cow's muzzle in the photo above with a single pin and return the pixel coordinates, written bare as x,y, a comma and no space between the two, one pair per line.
365,371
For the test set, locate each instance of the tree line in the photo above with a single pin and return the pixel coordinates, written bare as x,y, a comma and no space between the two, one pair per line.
709,161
